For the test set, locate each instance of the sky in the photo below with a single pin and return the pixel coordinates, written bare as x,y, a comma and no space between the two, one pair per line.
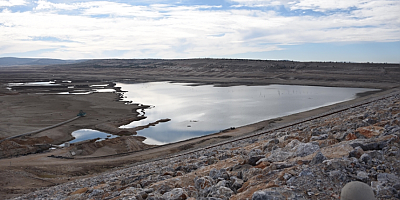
301,30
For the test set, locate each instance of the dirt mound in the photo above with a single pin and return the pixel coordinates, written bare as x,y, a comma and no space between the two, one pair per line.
16,147
107,147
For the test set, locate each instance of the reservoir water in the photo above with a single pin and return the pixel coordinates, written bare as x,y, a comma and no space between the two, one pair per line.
199,110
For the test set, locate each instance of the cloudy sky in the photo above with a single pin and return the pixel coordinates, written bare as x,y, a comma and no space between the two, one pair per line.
303,30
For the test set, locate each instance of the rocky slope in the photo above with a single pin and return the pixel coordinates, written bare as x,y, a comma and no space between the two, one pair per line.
310,160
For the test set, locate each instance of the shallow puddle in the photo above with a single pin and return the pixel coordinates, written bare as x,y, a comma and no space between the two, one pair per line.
89,134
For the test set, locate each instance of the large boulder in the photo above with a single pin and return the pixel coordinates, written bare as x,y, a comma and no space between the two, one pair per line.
357,190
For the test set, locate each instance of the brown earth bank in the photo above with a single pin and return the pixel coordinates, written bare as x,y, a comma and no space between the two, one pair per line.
213,71
24,110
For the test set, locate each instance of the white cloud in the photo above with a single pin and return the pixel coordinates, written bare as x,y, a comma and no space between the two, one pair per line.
45,5
261,3
9,3
169,31
325,5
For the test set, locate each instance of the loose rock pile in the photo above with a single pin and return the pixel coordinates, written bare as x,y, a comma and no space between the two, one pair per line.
312,160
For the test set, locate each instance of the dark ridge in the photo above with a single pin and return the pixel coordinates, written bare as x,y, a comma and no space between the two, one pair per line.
12,61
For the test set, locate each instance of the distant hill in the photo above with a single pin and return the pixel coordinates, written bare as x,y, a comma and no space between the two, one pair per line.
12,61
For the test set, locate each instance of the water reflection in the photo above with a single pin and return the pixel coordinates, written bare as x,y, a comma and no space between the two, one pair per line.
200,110
66,87
47,83
89,134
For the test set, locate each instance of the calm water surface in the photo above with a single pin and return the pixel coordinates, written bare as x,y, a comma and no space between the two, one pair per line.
88,134
200,110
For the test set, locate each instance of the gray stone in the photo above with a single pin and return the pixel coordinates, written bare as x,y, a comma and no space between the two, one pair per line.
166,169
254,152
279,155
276,194
141,195
237,184
335,173
145,183
306,173
368,146
224,156
341,135
130,198
149,190
365,158
320,137
335,164
204,182
129,180
176,194
270,144
376,154
96,192
386,177
248,174
362,176
138,193
369,121
292,144
357,191
194,166
316,133
287,176
318,158
357,152
222,183
214,173
221,192
224,174
282,165
305,149
291,180
254,158
267,195
163,189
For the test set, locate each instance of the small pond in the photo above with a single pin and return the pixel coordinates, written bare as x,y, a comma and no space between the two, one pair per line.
89,134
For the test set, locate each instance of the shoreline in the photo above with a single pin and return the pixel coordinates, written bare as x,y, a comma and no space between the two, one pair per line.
111,126
114,128
115,122
237,131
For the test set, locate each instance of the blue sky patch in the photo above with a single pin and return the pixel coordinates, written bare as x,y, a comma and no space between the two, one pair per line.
50,39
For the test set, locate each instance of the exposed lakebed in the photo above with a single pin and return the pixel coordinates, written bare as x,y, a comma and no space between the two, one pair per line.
197,110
